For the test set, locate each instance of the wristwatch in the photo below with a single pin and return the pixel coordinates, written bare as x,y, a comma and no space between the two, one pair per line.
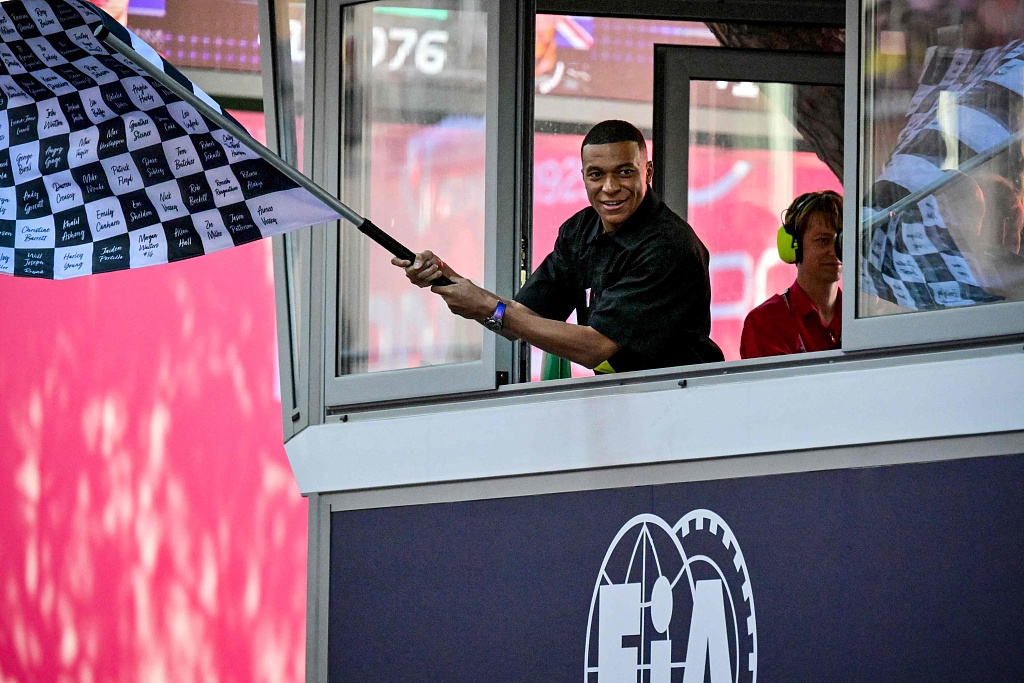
495,322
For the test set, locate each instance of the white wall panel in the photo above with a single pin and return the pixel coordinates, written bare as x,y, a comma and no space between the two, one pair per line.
762,412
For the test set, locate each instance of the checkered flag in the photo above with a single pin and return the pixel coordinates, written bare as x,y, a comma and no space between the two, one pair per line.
104,168
967,108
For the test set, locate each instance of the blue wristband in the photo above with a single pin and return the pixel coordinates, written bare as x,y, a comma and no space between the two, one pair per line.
496,321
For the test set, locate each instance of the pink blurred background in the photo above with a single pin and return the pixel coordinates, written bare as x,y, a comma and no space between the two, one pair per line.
152,530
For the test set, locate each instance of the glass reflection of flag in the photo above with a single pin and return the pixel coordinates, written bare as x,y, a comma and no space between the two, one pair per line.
576,33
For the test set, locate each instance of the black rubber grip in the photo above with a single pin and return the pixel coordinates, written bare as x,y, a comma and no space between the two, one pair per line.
394,246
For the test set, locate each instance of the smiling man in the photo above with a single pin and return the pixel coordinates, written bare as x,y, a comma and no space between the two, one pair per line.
635,273
808,315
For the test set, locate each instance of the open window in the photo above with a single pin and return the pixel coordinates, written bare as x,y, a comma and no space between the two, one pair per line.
738,133
744,137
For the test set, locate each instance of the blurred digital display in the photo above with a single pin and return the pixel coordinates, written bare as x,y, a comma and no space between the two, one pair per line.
213,34
148,8
587,56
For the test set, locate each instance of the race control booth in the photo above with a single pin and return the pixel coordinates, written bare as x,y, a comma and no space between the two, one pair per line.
479,510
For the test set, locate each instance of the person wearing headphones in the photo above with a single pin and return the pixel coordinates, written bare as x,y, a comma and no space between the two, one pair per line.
634,271
808,315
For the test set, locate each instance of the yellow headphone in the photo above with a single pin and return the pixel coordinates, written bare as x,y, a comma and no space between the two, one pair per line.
787,241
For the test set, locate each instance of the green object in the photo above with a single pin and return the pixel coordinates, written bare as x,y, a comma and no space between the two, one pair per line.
555,368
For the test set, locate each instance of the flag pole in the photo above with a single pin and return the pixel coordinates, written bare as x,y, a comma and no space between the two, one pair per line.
365,225
944,179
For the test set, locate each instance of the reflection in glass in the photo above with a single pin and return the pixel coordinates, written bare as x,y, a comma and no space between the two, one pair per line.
749,158
942,160
222,35
297,50
414,97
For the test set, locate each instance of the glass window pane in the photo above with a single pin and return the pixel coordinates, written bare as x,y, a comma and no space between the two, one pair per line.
414,162
941,156
748,159
589,69
293,292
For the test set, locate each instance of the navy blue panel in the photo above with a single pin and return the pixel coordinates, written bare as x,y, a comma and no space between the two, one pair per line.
478,591
908,573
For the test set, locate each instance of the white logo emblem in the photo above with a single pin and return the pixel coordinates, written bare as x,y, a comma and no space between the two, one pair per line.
672,604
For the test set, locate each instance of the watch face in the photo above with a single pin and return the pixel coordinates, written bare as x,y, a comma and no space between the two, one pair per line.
492,324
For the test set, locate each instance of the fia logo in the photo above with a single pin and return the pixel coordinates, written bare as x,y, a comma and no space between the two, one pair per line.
672,605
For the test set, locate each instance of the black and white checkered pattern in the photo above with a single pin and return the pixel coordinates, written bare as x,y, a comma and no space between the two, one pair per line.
912,260
102,168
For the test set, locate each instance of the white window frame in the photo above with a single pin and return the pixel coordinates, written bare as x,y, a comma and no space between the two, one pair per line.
949,327
291,290
495,364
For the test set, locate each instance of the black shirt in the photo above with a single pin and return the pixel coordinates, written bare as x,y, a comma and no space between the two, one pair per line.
645,286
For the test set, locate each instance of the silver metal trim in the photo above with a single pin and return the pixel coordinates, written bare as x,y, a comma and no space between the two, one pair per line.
758,465
851,168
318,588
321,102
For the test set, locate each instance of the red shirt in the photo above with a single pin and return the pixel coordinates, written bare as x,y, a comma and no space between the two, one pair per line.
778,326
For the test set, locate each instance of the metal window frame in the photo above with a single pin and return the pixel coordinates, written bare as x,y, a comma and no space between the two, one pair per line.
503,188
672,93
951,327
279,117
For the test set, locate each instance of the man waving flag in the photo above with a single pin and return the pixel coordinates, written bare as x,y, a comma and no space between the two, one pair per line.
104,168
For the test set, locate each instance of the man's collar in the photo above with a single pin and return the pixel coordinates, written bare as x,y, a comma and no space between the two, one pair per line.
801,304
629,233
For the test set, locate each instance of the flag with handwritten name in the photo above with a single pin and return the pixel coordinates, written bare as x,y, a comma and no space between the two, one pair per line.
102,168
967,103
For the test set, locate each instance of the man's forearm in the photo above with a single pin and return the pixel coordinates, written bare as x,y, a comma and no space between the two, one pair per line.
578,343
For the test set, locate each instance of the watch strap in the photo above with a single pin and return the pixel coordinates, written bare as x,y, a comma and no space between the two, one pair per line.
496,321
